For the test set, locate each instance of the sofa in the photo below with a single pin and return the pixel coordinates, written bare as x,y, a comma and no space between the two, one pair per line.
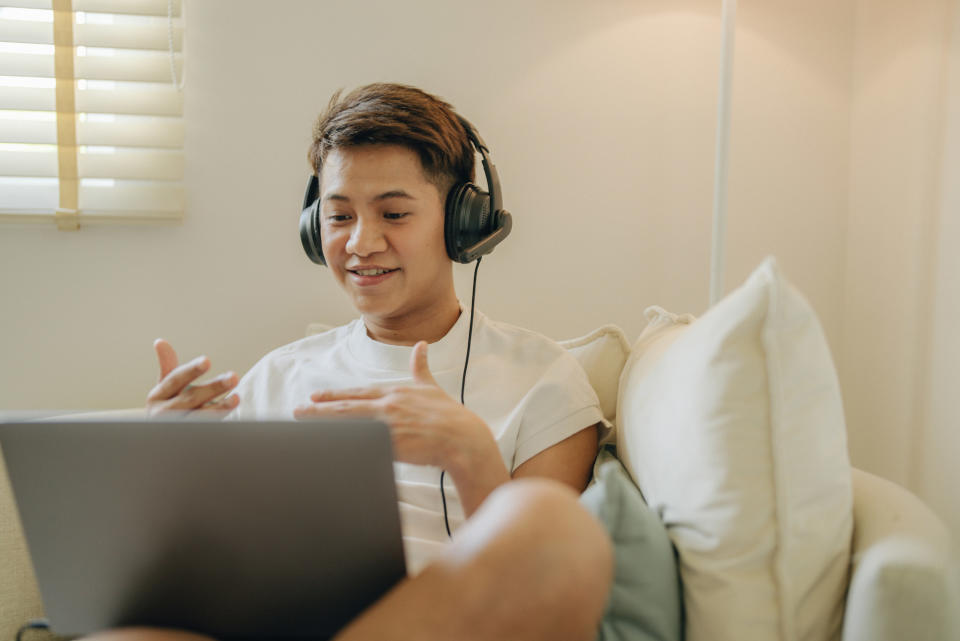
729,430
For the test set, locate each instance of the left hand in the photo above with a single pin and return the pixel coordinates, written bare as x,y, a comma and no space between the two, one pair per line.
427,426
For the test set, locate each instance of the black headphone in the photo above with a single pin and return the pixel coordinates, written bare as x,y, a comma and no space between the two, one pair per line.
474,220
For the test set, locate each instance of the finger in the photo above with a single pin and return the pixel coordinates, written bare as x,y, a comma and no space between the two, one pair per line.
196,396
357,393
337,409
303,411
169,409
225,404
207,414
165,356
419,366
174,382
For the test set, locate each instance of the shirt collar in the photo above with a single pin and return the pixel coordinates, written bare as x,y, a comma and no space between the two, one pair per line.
444,354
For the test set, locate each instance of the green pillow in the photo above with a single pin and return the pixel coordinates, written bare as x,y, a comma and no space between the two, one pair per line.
645,601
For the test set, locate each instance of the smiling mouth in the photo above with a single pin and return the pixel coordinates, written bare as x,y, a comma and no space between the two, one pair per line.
372,272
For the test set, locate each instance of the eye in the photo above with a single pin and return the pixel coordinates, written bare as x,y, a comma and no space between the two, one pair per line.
337,217
393,215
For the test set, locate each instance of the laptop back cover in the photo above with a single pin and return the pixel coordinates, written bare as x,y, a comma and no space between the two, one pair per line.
232,529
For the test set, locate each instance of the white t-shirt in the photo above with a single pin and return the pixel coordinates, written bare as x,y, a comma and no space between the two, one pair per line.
529,390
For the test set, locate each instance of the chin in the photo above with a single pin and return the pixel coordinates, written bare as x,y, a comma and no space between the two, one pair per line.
377,306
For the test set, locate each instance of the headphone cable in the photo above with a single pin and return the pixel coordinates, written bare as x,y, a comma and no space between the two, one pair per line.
463,386
35,624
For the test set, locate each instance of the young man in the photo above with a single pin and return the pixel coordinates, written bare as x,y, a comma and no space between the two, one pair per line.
517,451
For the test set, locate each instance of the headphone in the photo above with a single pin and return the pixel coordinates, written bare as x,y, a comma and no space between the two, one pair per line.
474,220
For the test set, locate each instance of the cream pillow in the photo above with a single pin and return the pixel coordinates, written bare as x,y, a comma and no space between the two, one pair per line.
602,353
732,426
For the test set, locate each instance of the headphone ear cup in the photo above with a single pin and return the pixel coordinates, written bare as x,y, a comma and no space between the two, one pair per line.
310,221
310,233
467,219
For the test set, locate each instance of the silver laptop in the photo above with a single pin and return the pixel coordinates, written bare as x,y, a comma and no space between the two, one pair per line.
237,530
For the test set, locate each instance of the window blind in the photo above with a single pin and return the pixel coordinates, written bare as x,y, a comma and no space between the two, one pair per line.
91,126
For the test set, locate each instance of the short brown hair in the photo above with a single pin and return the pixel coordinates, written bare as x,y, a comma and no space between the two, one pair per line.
387,113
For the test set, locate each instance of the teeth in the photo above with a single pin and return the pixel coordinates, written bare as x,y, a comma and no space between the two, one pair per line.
372,272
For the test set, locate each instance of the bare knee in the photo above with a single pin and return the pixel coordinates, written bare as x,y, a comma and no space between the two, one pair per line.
539,565
557,530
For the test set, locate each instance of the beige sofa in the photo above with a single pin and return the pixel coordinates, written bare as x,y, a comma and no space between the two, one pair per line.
900,584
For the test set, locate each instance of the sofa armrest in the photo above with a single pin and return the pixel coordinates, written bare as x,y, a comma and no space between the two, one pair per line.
903,581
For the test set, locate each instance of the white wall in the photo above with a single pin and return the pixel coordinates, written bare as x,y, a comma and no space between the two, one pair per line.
895,145
789,139
600,116
936,471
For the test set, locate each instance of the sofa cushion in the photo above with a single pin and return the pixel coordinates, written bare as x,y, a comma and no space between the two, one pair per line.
645,600
732,426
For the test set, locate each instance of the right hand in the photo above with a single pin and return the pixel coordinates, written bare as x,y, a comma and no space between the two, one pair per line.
175,393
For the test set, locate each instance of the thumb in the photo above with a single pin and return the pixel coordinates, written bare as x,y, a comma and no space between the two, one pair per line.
165,356
418,365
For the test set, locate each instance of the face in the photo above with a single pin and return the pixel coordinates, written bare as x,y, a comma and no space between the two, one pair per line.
382,232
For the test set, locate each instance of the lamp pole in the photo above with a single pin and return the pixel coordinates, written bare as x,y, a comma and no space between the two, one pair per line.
718,239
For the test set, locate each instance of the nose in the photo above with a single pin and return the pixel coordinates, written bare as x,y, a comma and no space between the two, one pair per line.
366,238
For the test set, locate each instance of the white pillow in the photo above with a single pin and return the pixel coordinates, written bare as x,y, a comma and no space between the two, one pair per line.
602,353
732,425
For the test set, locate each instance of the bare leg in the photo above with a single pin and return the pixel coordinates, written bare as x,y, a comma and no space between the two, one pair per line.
531,564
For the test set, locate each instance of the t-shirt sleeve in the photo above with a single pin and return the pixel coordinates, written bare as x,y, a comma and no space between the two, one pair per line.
558,406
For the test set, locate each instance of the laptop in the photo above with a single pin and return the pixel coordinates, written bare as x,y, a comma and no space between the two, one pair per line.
238,530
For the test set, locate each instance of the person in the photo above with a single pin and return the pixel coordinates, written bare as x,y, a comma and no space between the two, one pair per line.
525,561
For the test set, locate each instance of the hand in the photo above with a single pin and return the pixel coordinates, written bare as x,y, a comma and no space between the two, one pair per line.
427,428
174,391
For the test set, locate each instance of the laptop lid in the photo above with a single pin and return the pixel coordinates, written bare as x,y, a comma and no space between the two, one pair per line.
232,529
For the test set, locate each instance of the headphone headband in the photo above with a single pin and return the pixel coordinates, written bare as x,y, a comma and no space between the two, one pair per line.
489,169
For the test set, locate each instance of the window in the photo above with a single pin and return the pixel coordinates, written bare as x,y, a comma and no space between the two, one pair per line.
91,127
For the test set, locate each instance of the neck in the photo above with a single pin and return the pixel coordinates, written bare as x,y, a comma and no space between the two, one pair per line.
422,325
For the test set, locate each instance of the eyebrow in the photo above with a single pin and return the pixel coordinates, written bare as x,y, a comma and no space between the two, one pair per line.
394,193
